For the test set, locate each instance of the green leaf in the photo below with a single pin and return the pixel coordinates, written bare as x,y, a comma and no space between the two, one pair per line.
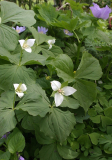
89,68
41,138
86,93
16,142
49,152
96,119
35,102
57,124
8,37
92,112
96,152
11,12
107,140
66,152
70,103
32,58
6,55
6,99
94,137
4,155
64,67
48,12
69,25
84,140
27,122
108,112
40,38
7,121
10,74
106,121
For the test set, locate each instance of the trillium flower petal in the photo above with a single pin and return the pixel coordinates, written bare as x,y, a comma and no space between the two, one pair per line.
30,42
15,86
23,87
20,95
55,85
58,99
21,42
68,90
28,50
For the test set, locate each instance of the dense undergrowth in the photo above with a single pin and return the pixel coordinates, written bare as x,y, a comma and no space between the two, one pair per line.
55,83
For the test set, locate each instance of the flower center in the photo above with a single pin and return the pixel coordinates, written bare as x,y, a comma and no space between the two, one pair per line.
41,32
66,31
25,45
19,89
17,30
61,91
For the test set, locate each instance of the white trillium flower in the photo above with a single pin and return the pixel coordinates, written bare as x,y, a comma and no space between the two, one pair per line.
20,89
27,44
61,92
51,42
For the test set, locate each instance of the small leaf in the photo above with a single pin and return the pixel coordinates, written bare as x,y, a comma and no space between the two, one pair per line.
94,137
66,152
16,142
5,155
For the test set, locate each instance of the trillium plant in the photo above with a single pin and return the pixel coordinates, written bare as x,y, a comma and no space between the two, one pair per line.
27,44
61,92
56,81
20,89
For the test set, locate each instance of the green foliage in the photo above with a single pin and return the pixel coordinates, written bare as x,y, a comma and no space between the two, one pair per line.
31,125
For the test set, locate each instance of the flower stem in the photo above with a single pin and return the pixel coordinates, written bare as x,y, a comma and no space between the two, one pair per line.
14,101
20,57
76,36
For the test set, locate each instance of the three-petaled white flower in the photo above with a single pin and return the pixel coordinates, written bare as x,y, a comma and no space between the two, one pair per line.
51,42
27,44
61,92
20,89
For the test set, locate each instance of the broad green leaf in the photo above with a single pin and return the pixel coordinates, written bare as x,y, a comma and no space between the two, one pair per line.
58,124
89,68
7,121
11,12
49,152
27,122
92,112
40,38
34,107
64,67
6,99
16,142
35,102
84,140
94,137
66,152
8,37
48,12
6,55
69,25
10,74
53,52
4,155
41,138
32,58
86,93
70,103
